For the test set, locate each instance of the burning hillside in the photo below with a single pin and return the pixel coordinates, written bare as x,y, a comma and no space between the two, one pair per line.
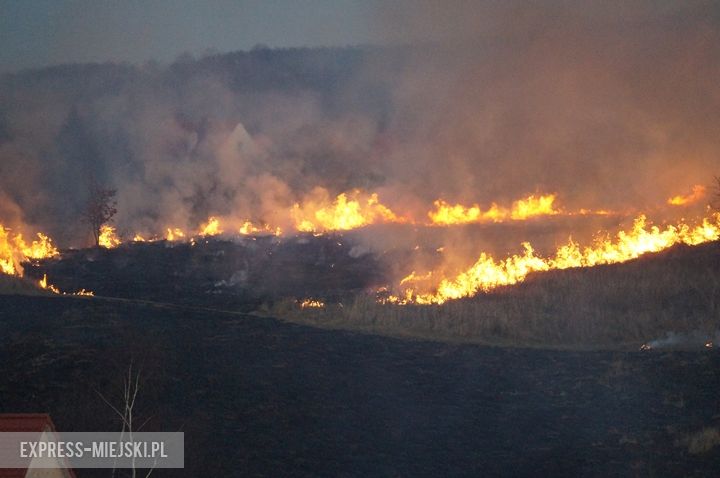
454,168
446,280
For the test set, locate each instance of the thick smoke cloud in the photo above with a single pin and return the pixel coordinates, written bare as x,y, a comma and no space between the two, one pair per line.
611,105
608,103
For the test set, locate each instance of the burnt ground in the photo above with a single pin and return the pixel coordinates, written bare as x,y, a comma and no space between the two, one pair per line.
259,397
237,275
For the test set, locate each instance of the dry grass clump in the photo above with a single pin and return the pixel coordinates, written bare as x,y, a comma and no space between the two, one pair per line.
11,285
701,441
675,291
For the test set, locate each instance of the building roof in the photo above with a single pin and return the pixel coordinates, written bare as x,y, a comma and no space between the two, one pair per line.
25,422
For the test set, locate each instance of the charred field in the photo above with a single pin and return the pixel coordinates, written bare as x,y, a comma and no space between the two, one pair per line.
408,238
392,395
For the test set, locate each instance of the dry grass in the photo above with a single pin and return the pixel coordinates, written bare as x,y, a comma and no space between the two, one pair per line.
701,441
11,285
608,306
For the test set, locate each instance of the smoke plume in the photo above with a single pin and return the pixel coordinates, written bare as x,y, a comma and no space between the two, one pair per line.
609,104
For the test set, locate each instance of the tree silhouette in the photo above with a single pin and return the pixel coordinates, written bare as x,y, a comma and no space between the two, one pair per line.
99,208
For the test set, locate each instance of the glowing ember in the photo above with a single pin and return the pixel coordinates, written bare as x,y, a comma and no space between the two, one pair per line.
312,303
698,192
108,237
488,273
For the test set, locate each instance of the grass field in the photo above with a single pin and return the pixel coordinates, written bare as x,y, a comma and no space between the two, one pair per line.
675,292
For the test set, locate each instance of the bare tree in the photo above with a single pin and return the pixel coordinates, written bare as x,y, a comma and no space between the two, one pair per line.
131,386
99,208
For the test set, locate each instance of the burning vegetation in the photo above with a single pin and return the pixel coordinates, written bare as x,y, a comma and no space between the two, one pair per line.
14,250
488,273
434,286
395,153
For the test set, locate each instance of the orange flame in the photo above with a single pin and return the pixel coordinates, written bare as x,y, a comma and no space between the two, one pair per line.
487,273
311,303
446,214
248,228
348,211
698,192
211,227
43,283
533,206
14,250
108,237
174,234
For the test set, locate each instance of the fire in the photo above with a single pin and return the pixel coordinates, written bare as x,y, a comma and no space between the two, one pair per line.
533,206
14,250
38,249
174,234
314,303
348,211
43,283
248,228
446,214
108,237
211,228
488,273
698,192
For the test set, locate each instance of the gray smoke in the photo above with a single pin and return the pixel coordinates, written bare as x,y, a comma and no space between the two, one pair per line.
609,104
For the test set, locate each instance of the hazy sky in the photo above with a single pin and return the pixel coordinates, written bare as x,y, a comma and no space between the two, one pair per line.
45,32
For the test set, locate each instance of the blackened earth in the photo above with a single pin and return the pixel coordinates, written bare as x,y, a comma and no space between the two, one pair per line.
259,397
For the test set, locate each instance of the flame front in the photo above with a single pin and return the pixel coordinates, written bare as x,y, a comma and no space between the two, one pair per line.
247,228
347,211
446,214
319,213
533,206
487,273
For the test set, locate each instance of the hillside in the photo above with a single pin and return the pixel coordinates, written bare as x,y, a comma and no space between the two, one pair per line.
258,397
675,292
672,293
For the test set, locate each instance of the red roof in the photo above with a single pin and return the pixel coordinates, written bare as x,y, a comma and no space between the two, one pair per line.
24,422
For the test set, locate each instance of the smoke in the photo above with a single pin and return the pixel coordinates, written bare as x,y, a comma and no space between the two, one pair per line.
610,104
607,103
